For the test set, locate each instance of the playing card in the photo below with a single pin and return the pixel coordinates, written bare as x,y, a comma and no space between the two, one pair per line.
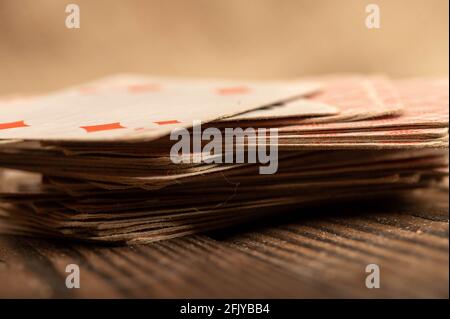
137,108
425,105
292,109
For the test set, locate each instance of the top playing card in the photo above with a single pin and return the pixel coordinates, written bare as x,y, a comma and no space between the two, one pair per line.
137,107
425,105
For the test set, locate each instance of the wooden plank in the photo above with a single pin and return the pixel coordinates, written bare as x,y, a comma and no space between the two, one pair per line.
316,252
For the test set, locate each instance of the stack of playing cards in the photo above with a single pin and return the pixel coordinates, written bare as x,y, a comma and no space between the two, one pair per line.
138,159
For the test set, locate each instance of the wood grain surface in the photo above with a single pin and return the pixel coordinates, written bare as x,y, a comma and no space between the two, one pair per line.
319,251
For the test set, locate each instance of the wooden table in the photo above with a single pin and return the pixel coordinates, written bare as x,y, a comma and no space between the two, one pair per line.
314,252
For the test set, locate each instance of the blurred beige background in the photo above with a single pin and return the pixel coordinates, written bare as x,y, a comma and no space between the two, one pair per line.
217,38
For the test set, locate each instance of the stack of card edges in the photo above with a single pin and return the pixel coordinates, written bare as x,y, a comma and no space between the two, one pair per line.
135,159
